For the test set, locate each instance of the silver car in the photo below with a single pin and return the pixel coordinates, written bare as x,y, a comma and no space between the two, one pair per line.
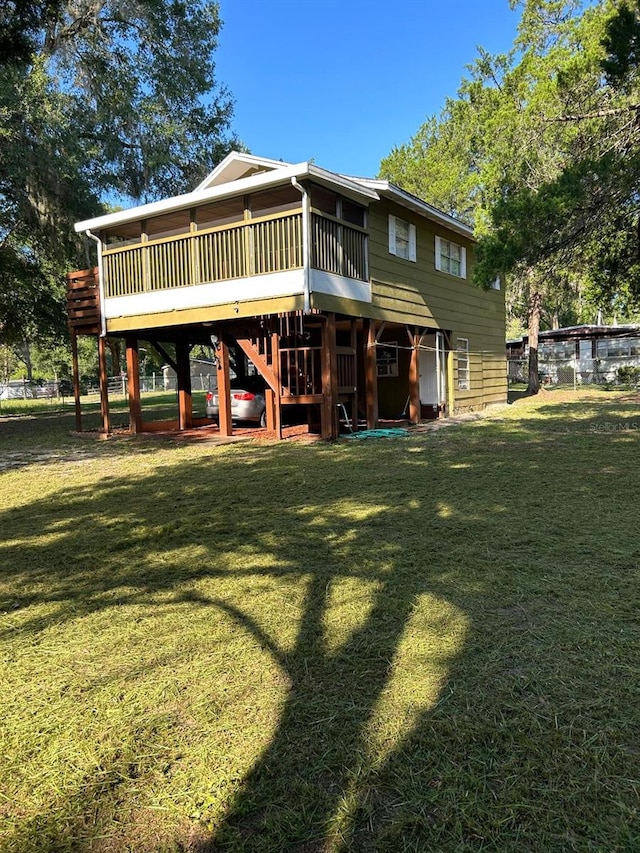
245,406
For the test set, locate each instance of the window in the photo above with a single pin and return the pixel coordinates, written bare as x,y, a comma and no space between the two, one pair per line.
402,239
353,213
559,350
617,347
463,364
451,258
387,358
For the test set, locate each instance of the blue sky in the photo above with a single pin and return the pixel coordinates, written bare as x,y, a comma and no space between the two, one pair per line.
343,81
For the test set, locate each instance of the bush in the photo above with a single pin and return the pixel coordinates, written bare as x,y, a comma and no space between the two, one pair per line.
628,375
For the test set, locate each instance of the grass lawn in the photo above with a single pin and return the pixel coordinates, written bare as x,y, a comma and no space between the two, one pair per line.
420,644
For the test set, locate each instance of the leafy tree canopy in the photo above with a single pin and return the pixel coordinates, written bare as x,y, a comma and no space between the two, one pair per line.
100,101
540,152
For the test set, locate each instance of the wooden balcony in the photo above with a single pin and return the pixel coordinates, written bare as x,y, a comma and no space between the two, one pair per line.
272,244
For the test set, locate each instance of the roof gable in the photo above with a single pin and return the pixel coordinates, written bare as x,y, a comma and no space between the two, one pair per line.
236,166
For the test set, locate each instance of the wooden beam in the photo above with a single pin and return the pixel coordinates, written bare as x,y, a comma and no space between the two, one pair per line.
329,379
275,365
224,390
414,378
371,374
354,346
380,330
269,402
133,384
160,349
183,373
450,378
261,365
104,387
76,379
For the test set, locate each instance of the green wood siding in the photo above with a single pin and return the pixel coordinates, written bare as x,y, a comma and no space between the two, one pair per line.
418,293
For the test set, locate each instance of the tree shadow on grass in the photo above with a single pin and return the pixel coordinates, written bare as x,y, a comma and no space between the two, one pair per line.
434,575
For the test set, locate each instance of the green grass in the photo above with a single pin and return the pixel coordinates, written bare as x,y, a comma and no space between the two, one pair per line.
419,644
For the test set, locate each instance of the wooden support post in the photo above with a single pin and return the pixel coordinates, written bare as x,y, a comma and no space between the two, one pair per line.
329,379
185,404
371,373
133,384
353,343
275,367
269,401
104,387
76,379
414,378
224,391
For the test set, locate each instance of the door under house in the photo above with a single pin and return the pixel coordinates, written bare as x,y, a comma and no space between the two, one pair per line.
432,372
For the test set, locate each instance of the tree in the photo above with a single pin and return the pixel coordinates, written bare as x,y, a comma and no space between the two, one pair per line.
534,151
587,214
100,101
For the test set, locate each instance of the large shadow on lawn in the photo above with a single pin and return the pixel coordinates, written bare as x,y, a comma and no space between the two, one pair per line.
446,552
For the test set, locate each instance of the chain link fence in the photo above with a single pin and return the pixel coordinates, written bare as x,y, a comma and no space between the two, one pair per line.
621,370
23,389
165,380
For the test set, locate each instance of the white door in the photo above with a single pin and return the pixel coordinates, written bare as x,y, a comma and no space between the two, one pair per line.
432,367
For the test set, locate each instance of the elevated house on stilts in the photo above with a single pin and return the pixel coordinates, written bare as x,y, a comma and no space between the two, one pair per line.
347,295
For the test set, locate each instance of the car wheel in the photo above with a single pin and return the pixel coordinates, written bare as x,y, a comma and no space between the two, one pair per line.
263,418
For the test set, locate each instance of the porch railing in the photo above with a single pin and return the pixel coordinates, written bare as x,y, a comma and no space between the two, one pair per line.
218,254
338,248
301,369
232,251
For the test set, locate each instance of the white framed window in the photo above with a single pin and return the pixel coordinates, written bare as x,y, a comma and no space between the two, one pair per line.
462,351
387,358
451,258
402,239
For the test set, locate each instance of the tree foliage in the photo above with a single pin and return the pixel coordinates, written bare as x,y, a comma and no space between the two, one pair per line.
100,101
540,151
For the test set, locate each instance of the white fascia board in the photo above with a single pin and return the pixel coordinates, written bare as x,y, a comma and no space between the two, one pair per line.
227,190
347,185
192,199
267,286
238,157
416,204
340,285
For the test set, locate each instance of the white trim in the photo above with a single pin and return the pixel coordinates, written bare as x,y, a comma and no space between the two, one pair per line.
416,204
463,384
412,243
238,159
270,285
232,188
340,285
463,262
392,235
438,254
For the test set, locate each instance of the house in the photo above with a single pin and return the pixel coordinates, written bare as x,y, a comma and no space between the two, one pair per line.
344,293
203,374
585,354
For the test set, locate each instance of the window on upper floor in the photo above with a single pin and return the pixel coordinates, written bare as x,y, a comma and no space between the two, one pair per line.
402,239
451,258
